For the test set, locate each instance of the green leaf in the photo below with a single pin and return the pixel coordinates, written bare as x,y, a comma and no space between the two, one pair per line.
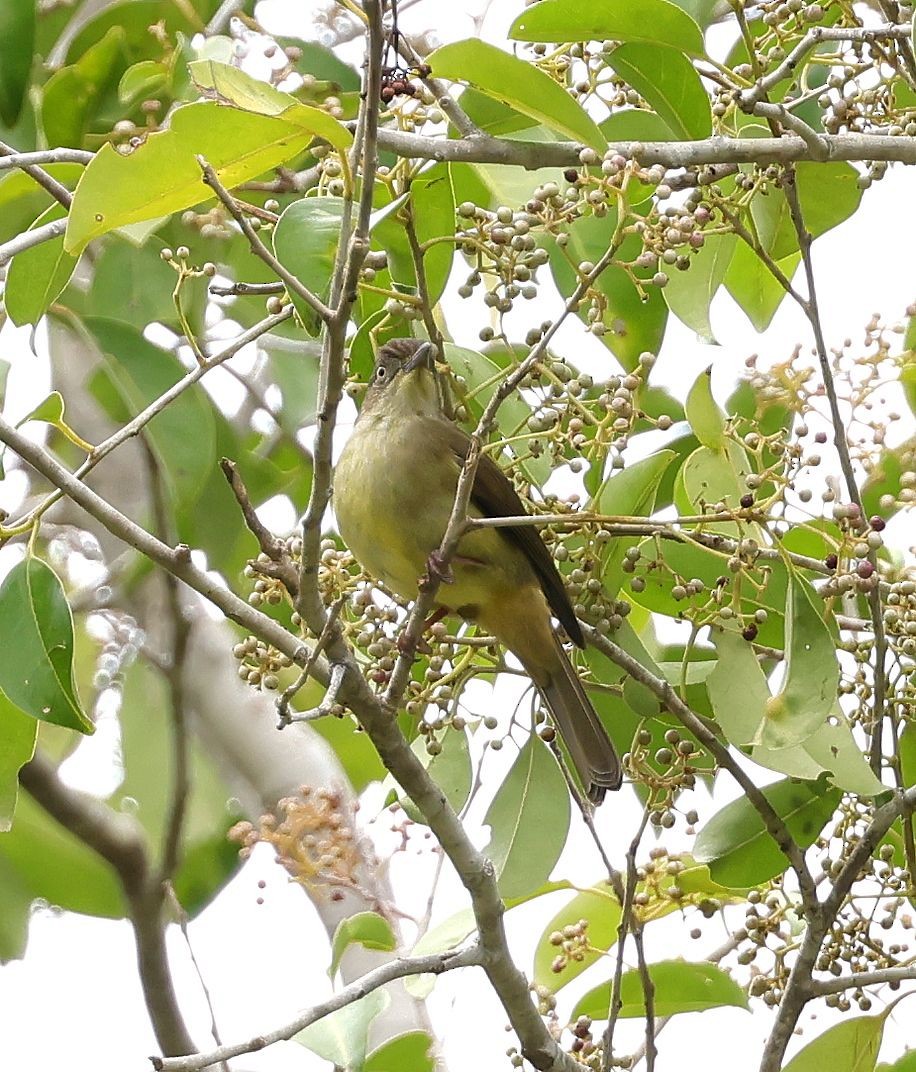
518,84
737,688
342,1037
433,210
812,673
739,695
906,1063
667,80
528,820
655,22
135,283
183,434
162,175
448,934
689,561
405,1053
679,987
630,493
208,858
17,744
36,646
450,770
368,929
481,375
37,275
689,294
737,846
15,910
753,285
50,862
305,242
242,90
635,322
849,1046
703,413
602,910
73,94
145,77
17,38
709,476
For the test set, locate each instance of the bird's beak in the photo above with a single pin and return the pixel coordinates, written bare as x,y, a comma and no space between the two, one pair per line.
422,358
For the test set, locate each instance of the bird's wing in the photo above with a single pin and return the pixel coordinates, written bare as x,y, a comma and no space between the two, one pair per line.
494,495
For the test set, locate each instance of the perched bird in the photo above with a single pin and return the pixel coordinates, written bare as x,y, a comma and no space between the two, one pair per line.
394,488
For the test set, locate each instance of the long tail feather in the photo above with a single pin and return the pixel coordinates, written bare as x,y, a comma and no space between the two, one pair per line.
592,753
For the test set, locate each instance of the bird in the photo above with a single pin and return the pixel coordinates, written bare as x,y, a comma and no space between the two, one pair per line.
394,488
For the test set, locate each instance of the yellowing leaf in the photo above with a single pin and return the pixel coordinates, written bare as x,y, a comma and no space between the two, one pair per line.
162,175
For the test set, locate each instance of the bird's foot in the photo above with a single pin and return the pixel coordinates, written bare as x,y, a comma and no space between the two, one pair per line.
438,569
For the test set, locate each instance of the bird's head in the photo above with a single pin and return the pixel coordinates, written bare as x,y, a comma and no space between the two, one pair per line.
403,380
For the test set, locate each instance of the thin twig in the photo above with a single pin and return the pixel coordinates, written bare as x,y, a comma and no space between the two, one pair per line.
57,190
293,284
432,964
33,237
138,423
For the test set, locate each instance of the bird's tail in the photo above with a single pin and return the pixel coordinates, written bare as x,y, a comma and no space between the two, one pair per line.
592,753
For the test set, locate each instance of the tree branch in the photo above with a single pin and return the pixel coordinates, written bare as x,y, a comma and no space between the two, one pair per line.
293,284
117,839
484,149
432,964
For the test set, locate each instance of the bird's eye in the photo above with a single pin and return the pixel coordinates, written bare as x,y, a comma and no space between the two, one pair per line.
381,372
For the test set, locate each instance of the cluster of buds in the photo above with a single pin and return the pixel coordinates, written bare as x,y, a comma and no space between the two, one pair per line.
314,839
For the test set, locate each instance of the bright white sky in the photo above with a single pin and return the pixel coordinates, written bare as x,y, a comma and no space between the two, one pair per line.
75,1001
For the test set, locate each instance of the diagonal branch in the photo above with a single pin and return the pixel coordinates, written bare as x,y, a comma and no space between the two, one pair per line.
432,964
117,839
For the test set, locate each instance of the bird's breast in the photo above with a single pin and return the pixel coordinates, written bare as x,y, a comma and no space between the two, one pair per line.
392,499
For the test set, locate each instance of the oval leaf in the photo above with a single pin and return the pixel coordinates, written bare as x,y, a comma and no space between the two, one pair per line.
37,275
679,987
670,84
703,413
655,22
851,1045
242,90
162,175
601,909
528,819
36,646
342,1037
689,294
518,84
305,242
737,846
812,673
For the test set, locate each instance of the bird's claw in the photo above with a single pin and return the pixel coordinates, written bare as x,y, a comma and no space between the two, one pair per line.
438,569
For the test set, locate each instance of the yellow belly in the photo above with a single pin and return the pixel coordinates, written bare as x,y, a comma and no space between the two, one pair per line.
393,496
